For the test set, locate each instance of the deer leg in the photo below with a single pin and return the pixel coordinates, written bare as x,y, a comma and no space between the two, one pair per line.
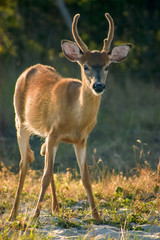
80,151
47,178
43,149
27,156
55,206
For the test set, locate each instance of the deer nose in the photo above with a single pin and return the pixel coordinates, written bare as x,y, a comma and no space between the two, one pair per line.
98,87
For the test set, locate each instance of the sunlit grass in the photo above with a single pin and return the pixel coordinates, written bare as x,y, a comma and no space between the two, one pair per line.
123,201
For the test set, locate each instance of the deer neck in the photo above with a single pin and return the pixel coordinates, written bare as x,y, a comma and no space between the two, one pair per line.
88,100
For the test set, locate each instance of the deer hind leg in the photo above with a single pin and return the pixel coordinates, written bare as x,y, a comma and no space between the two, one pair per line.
27,157
50,153
55,205
43,149
80,151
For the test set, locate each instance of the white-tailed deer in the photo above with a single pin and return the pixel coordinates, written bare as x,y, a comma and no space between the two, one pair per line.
62,109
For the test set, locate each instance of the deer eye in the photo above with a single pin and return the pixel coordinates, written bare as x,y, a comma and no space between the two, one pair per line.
85,67
107,68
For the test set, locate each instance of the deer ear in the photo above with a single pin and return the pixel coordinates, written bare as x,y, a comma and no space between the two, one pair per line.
119,53
71,50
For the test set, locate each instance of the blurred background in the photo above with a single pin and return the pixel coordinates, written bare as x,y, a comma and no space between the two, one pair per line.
128,129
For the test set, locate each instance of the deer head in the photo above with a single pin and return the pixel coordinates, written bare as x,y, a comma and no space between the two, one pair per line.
94,64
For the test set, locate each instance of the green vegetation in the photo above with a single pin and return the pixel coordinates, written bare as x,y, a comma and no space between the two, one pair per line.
31,31
124,202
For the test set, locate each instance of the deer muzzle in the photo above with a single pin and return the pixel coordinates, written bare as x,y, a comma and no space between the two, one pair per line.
98,87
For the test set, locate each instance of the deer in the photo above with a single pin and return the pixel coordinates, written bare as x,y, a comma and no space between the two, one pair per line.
62,110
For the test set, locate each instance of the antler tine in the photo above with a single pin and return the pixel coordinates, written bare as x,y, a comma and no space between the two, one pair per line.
76,36
108,40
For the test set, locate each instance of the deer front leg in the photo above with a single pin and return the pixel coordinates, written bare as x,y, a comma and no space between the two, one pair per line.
80,151
50,153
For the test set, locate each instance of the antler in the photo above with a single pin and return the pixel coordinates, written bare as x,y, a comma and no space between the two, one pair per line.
108,40
76,36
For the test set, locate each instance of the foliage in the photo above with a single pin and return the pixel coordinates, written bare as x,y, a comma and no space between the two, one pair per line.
34,29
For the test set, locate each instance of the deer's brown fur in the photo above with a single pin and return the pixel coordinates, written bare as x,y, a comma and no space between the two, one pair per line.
62,110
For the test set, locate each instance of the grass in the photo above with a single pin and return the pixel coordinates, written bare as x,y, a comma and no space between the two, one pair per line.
125,202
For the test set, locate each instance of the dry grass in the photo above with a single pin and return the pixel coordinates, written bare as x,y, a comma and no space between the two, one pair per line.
121,200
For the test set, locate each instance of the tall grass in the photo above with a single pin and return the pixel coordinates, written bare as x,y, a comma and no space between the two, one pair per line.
125,202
